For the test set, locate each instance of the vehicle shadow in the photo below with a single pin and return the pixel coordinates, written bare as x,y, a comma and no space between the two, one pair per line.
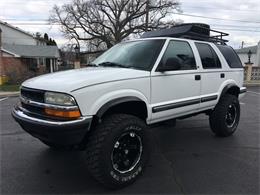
65,172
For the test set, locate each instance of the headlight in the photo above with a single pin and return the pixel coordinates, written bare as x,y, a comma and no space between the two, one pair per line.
59,99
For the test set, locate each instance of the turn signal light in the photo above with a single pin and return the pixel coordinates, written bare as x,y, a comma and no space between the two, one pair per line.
63,113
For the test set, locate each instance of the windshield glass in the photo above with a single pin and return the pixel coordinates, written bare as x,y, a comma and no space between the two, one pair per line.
135,54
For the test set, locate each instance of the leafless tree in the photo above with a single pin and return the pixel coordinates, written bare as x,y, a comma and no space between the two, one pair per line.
102,23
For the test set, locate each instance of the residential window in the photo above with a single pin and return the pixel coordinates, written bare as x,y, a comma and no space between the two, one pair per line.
179,55
31,63
208,56
41,61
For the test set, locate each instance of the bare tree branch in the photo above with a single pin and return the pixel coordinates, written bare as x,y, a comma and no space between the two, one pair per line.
102,23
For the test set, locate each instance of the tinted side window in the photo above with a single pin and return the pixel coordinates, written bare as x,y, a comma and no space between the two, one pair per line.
179,55
208,56
230,56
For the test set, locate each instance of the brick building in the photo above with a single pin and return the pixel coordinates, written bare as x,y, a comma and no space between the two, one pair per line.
23,56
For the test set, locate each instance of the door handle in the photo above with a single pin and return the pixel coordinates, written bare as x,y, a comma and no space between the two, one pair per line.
222,75
197,77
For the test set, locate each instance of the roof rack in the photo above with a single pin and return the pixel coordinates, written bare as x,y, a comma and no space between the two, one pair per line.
194,31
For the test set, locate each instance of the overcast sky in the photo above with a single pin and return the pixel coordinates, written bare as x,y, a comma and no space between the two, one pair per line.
239,18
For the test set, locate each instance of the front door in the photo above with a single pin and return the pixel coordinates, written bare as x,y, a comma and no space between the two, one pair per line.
175,84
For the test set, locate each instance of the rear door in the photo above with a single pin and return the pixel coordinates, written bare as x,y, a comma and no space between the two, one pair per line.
176,91
212,75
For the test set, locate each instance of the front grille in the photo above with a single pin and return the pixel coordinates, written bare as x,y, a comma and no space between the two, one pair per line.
33,94
33,109
36,110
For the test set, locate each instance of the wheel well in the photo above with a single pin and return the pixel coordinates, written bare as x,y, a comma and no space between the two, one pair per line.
234,90
136,108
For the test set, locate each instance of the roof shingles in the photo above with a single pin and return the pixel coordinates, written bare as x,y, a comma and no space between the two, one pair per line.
33,50
245,50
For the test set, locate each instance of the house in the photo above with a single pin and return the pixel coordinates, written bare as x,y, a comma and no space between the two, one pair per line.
89,56
23,55
255,56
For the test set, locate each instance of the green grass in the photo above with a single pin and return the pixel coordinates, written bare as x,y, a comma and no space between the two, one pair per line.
7,87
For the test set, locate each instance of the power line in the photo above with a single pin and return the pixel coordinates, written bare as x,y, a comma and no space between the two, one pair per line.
182,14
237,26
38,3
46,22
213,18
31,24
225,9
26,19
230,29
41,24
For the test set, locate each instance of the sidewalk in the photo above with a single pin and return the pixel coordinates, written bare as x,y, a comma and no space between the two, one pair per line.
252,84
9,94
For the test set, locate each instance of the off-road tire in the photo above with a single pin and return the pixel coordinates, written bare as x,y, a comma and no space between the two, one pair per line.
101,146
219,117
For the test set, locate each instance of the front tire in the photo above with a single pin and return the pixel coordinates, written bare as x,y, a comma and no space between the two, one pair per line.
117,150
225,117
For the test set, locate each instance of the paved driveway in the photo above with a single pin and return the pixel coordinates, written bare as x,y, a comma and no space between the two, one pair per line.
185,159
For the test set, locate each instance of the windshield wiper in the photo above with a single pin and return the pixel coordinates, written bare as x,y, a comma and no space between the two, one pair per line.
112,64
92,65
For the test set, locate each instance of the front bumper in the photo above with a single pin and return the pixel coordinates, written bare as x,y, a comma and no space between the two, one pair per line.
52,131
242,92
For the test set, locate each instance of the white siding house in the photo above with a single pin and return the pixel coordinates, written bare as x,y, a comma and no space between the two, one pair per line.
255,57
16,36
23,55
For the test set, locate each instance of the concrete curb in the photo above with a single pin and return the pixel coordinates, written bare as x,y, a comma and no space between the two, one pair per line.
252,84
4,94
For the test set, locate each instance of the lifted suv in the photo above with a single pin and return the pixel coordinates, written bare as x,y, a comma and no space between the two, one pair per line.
107,107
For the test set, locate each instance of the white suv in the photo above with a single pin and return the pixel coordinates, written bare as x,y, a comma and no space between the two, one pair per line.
107,107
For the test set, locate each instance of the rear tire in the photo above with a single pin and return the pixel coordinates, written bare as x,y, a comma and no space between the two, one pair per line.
225,117
117,150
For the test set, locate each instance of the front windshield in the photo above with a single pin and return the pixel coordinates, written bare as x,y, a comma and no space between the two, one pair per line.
135,54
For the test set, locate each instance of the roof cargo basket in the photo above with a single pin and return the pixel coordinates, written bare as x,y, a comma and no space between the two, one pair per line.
194,31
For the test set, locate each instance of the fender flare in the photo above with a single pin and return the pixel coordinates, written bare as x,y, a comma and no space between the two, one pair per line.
115,102
227,87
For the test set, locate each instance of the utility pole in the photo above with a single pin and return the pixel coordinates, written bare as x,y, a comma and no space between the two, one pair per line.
147,15
242,45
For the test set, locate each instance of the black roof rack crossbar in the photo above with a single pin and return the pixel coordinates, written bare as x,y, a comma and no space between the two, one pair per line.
194,31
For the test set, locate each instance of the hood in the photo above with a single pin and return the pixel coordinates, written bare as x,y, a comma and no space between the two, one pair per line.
67,81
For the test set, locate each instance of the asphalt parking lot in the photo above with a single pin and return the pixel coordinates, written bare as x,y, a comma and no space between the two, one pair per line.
186,159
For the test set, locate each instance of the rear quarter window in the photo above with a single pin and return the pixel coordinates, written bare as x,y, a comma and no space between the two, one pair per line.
231,56
208,56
